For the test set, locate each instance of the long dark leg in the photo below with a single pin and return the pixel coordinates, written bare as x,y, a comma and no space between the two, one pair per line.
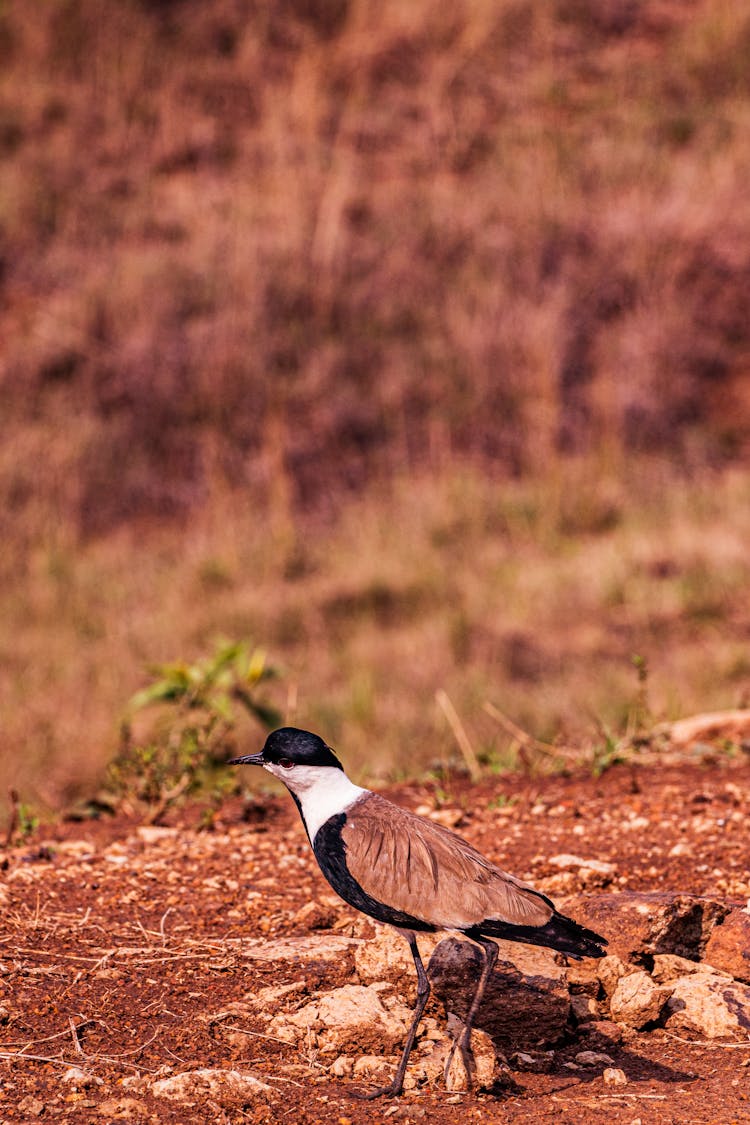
423,993
490,954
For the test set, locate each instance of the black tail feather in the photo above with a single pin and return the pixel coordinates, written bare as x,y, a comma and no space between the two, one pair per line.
559,933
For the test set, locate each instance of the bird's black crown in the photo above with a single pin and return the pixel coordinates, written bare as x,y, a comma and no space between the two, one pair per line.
299,746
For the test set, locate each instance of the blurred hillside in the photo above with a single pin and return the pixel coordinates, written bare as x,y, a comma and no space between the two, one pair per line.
260,257
305,243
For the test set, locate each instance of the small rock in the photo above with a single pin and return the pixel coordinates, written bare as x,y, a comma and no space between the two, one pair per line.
343,1066
353,1016
315,916
609,970
374,1068
31,1106
613,1076
603,1031
387,957
226,1087
80,1079
154,833
637,1000
593,1058
709,1005
122,1109
668,968
541,1063
728,947
484,1064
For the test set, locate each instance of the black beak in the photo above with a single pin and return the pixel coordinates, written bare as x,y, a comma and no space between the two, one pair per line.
248,760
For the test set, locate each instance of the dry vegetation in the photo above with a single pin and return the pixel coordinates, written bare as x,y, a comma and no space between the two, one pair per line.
409,340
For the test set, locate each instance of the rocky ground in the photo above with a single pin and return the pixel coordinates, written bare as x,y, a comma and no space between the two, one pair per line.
167,974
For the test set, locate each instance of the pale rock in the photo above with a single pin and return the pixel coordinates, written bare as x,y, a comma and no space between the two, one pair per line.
613,1076
80,1079
354,1017
609,971
374,1068
329,948
484,1065
315,916
637,1000
593,1058
76,849
387,957
668,967
31,1106
226,1087
122,1109
709,1005
150,834
587,873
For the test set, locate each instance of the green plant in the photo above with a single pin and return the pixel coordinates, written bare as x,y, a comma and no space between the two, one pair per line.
200,705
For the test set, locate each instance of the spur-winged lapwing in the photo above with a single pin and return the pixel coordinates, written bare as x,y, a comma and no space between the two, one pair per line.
410,872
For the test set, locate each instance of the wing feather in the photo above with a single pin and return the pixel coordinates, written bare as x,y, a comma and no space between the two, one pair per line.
416,866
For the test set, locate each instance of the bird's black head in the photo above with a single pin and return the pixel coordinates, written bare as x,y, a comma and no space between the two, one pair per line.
293,746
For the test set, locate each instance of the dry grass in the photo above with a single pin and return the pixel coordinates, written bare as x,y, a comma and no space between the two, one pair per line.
535,599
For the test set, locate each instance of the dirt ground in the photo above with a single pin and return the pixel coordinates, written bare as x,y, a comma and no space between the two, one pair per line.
120,946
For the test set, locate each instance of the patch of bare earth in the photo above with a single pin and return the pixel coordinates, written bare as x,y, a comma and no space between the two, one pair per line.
172,975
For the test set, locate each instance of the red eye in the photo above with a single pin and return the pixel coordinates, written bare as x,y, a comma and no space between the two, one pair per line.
285,763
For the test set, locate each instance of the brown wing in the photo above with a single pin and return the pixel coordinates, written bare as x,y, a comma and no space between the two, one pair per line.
419,867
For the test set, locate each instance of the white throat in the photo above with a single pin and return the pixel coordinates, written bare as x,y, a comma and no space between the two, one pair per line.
322,792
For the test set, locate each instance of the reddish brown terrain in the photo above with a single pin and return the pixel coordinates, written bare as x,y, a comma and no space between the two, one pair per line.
135,954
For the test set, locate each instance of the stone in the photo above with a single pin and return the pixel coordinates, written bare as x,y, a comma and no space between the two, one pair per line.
80,1079
637,1000
315,916
709,1005
521,1009
538,1063
352,1018
609,971
325,948
593,1058
122,1109
374,1068
387,957
31,1106
602,1032
613,1076
484,1065
668,967
226,1087
638,923
728,945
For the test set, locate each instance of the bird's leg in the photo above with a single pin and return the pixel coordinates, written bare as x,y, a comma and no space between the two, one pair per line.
423,994
489,956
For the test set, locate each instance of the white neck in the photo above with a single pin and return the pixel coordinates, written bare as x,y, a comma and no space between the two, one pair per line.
322,791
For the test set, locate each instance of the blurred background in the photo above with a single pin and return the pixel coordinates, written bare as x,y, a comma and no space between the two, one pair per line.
407,340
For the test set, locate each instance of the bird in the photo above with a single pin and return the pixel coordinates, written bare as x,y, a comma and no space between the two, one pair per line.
411,873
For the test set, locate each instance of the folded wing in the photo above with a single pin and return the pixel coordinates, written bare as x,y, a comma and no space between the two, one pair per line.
418,867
